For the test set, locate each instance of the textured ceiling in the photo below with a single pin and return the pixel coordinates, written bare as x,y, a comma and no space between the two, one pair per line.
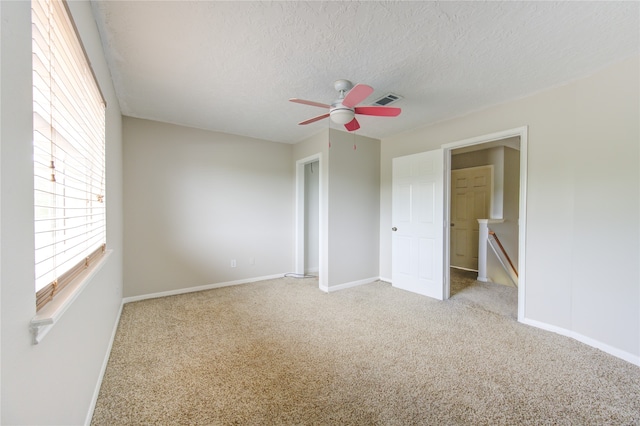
232,66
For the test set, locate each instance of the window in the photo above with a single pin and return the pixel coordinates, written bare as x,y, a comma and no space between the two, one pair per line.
69,153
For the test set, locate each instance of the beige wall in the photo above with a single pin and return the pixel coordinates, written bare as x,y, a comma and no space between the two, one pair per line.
508,231
55,381
470,159
195,200
354,202
349,226
582,201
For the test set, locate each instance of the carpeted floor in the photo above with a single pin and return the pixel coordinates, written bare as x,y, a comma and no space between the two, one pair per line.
283,352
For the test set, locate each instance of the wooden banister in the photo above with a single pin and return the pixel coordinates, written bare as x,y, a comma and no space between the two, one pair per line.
495,237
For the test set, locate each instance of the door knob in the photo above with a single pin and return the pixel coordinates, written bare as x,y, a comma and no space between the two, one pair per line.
394,229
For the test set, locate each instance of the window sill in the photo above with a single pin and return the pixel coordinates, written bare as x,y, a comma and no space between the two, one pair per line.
49,315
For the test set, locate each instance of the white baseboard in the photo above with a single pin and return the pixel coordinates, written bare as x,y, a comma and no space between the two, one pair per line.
386,280
348,285
103,369
199,288
618,353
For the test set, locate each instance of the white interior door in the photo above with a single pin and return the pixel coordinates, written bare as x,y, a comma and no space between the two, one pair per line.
471,192
417,223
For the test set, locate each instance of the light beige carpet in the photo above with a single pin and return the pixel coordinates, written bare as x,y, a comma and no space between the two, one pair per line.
283,352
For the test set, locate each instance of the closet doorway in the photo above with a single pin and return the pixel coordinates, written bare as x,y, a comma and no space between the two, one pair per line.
310,231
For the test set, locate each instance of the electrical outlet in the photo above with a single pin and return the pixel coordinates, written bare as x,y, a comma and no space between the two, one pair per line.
252,261
233,263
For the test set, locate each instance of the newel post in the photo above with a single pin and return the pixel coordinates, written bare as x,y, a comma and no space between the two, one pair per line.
483,236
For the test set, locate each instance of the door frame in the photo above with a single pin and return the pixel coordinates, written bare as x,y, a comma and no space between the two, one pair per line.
300,220
521,132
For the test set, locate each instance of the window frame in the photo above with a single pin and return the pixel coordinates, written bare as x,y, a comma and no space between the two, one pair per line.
78,118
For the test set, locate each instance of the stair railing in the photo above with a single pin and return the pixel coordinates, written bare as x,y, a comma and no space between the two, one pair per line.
488,239
504,252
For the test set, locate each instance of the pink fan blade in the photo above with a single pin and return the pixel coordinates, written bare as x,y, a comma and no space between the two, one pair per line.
356,95
380,111
314,119
352,125
302,101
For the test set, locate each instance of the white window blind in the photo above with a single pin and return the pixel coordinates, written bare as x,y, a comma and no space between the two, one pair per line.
69,152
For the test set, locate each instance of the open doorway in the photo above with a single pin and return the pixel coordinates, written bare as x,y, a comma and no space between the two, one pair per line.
312,218
485,179
309,234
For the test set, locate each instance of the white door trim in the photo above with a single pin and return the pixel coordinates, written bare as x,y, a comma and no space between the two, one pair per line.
522,132
300,225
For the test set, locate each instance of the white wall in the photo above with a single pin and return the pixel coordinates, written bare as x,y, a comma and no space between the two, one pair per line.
52,382
583,195
195,200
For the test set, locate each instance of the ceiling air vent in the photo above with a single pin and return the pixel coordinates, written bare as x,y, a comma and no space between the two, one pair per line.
387,99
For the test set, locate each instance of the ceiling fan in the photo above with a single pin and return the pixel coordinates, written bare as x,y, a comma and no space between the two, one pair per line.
344,109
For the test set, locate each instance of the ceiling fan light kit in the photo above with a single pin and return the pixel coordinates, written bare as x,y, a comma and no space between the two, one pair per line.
344,109
342,115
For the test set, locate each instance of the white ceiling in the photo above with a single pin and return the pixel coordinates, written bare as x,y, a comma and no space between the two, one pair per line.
232,66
